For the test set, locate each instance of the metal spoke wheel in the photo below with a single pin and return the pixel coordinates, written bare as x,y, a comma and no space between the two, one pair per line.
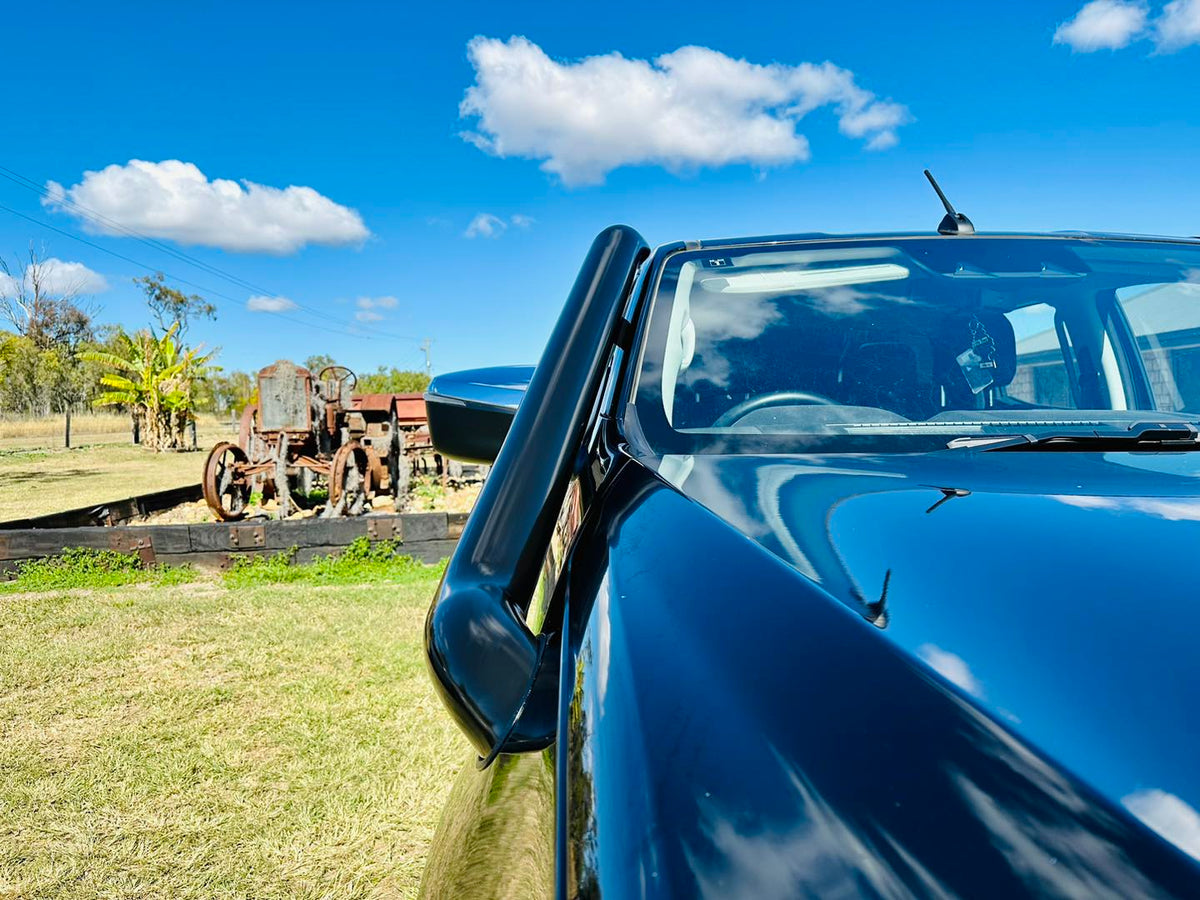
226,490
349,480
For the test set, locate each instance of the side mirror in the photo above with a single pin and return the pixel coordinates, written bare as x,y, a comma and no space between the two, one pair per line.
470,412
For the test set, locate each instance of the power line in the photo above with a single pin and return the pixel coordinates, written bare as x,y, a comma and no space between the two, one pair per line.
87,213
175,278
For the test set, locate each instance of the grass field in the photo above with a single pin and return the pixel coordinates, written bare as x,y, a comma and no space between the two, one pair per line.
230,737
38,482
47,432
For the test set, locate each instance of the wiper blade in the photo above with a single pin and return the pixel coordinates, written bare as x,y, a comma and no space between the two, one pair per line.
1138,436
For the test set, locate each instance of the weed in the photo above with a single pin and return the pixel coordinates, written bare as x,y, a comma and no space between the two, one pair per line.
360,563
425,493
83,567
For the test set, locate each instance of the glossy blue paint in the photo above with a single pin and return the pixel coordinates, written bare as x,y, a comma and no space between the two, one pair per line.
1050,587
947,673
735,730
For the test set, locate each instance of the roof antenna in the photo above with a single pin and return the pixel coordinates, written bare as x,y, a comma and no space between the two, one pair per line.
953,222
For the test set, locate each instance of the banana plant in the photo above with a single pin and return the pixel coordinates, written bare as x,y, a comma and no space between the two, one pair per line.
155,378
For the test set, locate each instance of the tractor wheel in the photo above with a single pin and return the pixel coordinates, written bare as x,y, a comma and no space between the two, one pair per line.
226,490
350,479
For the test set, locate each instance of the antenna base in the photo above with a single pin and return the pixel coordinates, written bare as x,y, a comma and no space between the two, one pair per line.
955,224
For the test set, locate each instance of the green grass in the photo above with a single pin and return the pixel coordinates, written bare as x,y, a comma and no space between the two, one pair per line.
359,561
227,737
85,567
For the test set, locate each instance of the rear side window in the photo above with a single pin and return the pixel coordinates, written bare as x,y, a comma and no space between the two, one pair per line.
1165,320
1042,378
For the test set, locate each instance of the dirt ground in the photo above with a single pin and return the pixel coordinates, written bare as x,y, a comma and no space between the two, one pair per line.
426,495
39,482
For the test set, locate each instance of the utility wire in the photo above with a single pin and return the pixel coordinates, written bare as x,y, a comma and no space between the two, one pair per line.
84,212
31,185
191,284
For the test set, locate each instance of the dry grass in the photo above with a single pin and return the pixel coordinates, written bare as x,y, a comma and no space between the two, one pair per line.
37,482
42,432
198,741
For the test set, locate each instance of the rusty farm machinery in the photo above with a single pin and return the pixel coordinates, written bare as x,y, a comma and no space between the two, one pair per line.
311,440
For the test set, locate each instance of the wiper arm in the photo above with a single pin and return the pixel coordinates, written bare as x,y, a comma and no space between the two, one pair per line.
1138,436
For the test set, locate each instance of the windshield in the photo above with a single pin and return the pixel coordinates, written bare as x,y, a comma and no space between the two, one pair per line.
901,344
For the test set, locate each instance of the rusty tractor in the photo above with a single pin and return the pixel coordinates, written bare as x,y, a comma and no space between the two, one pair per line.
311,440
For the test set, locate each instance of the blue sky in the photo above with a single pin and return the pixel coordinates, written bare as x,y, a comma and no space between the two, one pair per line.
361,103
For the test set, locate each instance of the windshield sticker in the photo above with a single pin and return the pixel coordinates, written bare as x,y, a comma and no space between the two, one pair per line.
978,363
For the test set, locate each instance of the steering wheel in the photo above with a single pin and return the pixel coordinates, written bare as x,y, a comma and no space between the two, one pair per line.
765,401
340,374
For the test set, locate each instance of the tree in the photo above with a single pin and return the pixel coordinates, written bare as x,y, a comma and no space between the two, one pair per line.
156,379
319,361
40,372
227,392
392,381
39,306
171,307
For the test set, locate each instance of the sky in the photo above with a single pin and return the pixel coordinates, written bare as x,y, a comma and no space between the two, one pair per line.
351,179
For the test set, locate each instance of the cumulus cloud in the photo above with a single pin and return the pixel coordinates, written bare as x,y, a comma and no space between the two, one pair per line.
690,108
1113,24
486,225
1178,26
368,307
1169,816
270,304
1102,25
386,302
490,226
56,276
952,667
176,201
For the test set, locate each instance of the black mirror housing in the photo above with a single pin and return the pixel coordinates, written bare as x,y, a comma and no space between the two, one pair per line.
470,411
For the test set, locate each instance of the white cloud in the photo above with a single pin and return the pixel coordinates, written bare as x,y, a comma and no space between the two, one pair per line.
693,107
376,302
270,304
1178,26
176,201
952,667
1102,25
486,225
1169,816
57,277
490,226
367,315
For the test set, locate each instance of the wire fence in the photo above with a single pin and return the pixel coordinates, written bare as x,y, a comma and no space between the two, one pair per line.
61,431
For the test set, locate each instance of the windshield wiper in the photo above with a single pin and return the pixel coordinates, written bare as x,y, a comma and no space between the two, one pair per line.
1138,436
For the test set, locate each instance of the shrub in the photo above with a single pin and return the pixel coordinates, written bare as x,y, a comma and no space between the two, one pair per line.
361,561
83,567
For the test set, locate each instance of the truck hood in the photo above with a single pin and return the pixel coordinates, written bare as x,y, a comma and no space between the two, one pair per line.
1053,591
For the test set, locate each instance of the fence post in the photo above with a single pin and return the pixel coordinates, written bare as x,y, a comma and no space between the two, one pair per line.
137,430
67,431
